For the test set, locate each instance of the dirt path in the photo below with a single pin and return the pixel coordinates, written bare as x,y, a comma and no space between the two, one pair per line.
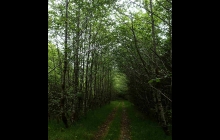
103,129
125,132
125,127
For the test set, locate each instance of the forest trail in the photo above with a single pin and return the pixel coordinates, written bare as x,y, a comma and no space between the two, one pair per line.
125,132
118,120
103,129
124,124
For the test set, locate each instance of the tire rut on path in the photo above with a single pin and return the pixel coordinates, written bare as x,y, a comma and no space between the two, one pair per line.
103,129
125,126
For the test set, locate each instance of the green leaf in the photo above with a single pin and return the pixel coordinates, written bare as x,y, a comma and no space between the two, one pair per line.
157,79
151,81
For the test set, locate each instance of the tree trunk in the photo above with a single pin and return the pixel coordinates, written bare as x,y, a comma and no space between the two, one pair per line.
158,96
63,98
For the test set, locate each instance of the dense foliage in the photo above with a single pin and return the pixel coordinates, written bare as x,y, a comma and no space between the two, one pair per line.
102,49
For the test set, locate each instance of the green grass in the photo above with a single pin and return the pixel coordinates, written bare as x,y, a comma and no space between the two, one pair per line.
142,128
84,129
114,129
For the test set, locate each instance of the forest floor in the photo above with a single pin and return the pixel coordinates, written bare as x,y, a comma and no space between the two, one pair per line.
118,120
